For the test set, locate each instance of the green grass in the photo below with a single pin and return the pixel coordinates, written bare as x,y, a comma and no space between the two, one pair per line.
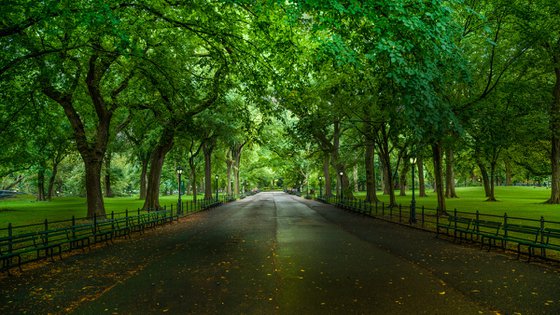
24,209
525,202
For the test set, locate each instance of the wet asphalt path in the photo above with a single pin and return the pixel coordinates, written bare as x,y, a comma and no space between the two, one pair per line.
274,253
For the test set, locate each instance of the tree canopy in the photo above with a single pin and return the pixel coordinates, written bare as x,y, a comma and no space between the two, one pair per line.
277,94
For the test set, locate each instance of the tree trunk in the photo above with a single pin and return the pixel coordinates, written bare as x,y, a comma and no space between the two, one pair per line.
421,183
491,195
207,149
41,184
402,179
438,177
326,176
509,175
485,178
52,178
94,196
108,190
387,187
555,138
229,163
355,178
449,174
371,193
157,158
344,182
193,178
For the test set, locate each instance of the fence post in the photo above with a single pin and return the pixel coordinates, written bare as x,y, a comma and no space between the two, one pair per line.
505,223
422,215
113,221
73,227
542,233
400,213
477,218
383,209
126,214
10,234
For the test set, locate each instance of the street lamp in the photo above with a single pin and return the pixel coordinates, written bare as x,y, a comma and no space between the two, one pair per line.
217,187
320,186
179,171
413,201
341,187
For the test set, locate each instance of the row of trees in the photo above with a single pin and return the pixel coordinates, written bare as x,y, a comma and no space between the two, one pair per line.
469,86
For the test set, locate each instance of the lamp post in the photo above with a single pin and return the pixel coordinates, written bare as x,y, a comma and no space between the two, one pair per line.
413,201
217,187
179,171
320,186
341,187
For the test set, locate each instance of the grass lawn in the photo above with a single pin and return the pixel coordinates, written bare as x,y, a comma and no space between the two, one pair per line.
24,209
525,202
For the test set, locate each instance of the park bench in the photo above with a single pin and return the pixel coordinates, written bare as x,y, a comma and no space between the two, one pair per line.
121,227
551,240
459,225
103,231
523,235
51,240
484,229
79,236
13,247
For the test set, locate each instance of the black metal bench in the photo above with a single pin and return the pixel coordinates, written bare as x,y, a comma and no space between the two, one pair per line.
459,225
484,229
523,235
551,240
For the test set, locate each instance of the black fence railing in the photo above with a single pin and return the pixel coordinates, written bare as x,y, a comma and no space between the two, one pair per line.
20,244
428,219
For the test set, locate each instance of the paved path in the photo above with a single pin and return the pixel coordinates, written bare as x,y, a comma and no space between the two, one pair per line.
278,254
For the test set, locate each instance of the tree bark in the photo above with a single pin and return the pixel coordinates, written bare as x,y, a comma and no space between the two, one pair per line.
371,193
229,163
385,156
108,190
326,176
41,184
338,165
193,178
509,175
421,183
157,158
449,174
355,178
491,196
207,149
52,178
438,177
402,179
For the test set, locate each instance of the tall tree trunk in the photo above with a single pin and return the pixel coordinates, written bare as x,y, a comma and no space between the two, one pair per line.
326,176
449,174
385,156
193,178
421,183
157,158
108,190
93,187
509,175
355,178
555,138
485,177
371,193
41,184
491,195
207,149
237,149
52,178
383,175
438,177
338,165
229,163
402,179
